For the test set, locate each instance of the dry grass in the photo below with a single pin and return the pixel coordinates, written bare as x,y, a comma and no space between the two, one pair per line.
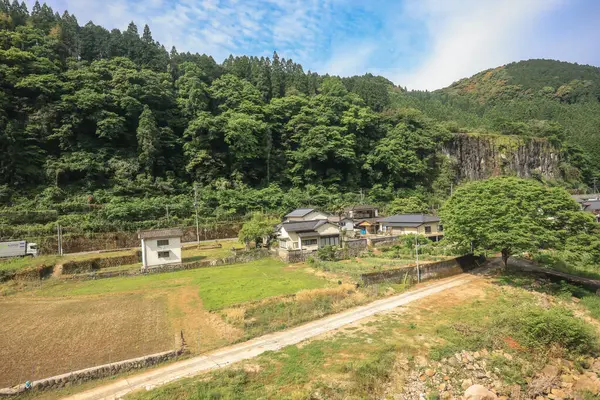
335,293
235,315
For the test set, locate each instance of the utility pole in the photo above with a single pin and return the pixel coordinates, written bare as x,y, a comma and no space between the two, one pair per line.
417,254
196,207
60,243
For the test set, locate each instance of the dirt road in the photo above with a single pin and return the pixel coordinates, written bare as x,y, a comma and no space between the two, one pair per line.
257,346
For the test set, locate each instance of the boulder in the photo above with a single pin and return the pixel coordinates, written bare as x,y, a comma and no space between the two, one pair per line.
479,392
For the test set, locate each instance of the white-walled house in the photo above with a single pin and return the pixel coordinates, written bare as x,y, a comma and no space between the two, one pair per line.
307,229
404,224
161,246
307,235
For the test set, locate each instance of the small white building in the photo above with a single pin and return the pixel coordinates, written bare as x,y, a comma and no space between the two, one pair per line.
161,246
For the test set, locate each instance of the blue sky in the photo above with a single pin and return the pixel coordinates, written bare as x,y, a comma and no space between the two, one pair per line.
422,44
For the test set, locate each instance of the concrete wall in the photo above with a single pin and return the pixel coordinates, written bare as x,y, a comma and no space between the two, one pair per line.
436,270
151,249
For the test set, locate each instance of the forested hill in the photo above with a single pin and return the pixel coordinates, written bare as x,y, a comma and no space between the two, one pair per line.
534,97
87,113
547,79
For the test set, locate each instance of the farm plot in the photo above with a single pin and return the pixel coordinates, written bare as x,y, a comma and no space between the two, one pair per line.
66,325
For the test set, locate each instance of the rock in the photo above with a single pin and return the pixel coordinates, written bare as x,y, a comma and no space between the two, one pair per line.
446,378
585,383
557,394
430,372
551,371
476,354
442,387
508,356
453,361
466,383
446,396
422,378
479,392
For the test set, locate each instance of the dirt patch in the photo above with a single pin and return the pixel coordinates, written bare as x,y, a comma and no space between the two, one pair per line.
42,337
202,330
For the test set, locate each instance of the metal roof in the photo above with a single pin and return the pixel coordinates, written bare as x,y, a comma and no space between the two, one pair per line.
161,233
303,226
409,220
300,212
591,205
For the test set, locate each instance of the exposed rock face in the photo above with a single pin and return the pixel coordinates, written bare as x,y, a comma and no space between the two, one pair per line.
481,156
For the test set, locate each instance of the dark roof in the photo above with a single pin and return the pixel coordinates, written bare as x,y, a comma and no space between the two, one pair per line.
592,205
303,226
300,212
308,234
361,207
160,233
409,220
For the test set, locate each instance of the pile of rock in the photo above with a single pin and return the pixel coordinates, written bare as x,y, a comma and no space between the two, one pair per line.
470,376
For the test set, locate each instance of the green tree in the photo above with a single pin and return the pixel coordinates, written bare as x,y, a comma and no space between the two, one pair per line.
257,228
148,138
407,205
511,215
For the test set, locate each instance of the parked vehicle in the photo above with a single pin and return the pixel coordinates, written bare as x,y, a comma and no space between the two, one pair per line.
18,249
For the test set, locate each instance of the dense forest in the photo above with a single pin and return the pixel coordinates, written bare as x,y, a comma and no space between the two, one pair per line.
111,121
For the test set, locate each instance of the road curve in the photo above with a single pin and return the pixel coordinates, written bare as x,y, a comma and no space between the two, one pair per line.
252,348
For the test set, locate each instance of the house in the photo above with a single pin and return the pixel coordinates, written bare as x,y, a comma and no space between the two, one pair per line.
161,246
422,224
305,214
307,235
593,206
307,229
362,211
365,218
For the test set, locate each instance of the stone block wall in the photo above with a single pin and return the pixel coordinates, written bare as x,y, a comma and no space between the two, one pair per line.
435,270
88,374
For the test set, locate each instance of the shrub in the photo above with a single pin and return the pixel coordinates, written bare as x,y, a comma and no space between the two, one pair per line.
327,253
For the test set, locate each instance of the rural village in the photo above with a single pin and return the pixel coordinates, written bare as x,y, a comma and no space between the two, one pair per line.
406,210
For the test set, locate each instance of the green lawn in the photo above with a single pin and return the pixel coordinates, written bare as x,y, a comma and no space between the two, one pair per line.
219,286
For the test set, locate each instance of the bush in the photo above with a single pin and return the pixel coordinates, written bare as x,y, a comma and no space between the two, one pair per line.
327,253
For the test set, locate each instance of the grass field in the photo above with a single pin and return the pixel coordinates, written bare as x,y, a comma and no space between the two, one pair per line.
61,325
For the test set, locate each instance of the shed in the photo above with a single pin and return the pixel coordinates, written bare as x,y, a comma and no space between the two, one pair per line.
161,246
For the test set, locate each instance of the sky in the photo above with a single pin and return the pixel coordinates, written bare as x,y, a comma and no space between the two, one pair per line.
419,44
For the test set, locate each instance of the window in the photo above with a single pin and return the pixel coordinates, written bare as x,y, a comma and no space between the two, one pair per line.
162,242
309,242
163,254
330,241
440,228
283,244
428,229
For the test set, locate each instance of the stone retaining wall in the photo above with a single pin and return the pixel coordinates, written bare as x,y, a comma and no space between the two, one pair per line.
238,258
382,241
88,374
437,270
94,264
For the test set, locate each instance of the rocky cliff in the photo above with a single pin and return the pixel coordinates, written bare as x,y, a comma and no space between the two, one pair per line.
483,156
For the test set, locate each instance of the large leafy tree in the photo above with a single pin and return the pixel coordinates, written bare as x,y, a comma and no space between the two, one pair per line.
512,215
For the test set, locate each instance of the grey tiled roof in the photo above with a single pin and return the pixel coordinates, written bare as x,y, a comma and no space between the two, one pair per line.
303,226
300,212
409,220
161,233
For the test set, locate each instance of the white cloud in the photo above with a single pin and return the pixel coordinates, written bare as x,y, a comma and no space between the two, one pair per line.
214,27
352,59
468,36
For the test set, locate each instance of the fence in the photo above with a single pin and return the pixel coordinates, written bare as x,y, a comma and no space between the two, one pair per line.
435,270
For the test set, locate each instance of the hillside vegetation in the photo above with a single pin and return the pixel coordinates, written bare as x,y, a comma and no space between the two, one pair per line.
102,130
